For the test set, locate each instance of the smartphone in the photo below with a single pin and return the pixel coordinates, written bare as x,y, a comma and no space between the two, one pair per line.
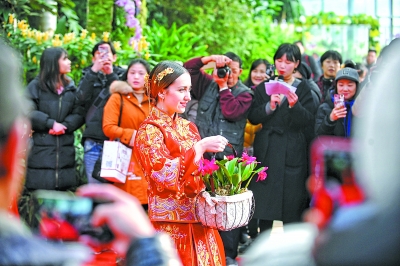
64,216
103,51
338,100
333,177
332,160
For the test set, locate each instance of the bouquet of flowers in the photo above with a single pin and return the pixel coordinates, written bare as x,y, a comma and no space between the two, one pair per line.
226,177
227,204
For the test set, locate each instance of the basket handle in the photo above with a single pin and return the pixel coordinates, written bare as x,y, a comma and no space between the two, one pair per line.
213,157
230,146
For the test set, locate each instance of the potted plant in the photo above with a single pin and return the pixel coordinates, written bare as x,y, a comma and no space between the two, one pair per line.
227,203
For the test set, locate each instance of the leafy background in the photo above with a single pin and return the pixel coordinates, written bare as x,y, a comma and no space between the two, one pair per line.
172,29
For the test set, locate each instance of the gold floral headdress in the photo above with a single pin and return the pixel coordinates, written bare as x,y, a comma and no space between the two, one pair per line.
147,83
162,74
158,78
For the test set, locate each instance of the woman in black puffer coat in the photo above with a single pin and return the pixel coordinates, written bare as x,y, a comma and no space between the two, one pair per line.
55,116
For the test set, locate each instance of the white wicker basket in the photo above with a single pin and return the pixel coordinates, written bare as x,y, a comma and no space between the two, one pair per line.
224,212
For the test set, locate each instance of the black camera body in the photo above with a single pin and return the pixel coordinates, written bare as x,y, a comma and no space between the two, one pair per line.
270,71
222,71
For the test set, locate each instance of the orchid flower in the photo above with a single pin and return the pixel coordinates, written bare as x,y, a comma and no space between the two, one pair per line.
226,176
262,175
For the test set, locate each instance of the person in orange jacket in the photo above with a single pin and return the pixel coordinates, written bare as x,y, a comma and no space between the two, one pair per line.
136,107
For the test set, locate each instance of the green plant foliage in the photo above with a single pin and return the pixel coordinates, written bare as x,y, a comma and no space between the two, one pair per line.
79,152
243,27
81,11
100,16
262,40
31,43
174,43
219,22
330,18
32,10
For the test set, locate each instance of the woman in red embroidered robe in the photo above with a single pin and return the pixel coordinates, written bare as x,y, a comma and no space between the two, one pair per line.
169,148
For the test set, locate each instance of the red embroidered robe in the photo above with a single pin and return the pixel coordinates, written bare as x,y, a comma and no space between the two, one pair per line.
164,147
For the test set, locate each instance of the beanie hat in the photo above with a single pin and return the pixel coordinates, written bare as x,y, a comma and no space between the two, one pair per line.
347,73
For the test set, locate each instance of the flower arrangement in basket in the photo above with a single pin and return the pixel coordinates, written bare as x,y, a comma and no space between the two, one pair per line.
227,203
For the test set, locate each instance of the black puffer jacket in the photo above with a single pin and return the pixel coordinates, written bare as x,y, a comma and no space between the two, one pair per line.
323,123
90,86
51,162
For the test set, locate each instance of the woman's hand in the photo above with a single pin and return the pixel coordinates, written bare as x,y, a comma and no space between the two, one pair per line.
210,144
132,141
292,98
58,129
125,225
338,112
274,101
220,60
100,63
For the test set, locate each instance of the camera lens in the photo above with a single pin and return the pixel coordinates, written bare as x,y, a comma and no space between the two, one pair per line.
222,71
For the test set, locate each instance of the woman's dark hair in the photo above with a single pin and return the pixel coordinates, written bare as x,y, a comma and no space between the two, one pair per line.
134,62
49,76
334,55
304,70
254,65
292,52
161,77
350,63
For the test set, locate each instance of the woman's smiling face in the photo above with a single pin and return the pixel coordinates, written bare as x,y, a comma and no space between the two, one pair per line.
176,96
258,74
347,88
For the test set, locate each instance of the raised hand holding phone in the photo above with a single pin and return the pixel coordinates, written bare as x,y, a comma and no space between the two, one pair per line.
125,225
64,216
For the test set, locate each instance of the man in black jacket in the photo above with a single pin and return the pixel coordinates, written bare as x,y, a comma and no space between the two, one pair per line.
94,93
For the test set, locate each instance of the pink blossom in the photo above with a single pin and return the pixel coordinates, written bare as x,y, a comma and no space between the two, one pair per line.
131,21
202,166
121,2
212,166
262,175
207,167
248,159
130,8
230,157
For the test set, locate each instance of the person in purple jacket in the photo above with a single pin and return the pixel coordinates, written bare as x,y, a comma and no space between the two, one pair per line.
224,102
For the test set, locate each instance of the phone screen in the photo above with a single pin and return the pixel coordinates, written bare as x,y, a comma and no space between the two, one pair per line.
338,166
103,52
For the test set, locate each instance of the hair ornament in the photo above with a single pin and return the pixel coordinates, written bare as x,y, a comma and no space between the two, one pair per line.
147,83
162,74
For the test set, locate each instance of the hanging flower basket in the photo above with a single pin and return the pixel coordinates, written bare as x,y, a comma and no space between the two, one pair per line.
227,203
224,212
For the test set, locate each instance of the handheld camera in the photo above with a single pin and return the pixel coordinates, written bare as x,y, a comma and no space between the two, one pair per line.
222,71
270,71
